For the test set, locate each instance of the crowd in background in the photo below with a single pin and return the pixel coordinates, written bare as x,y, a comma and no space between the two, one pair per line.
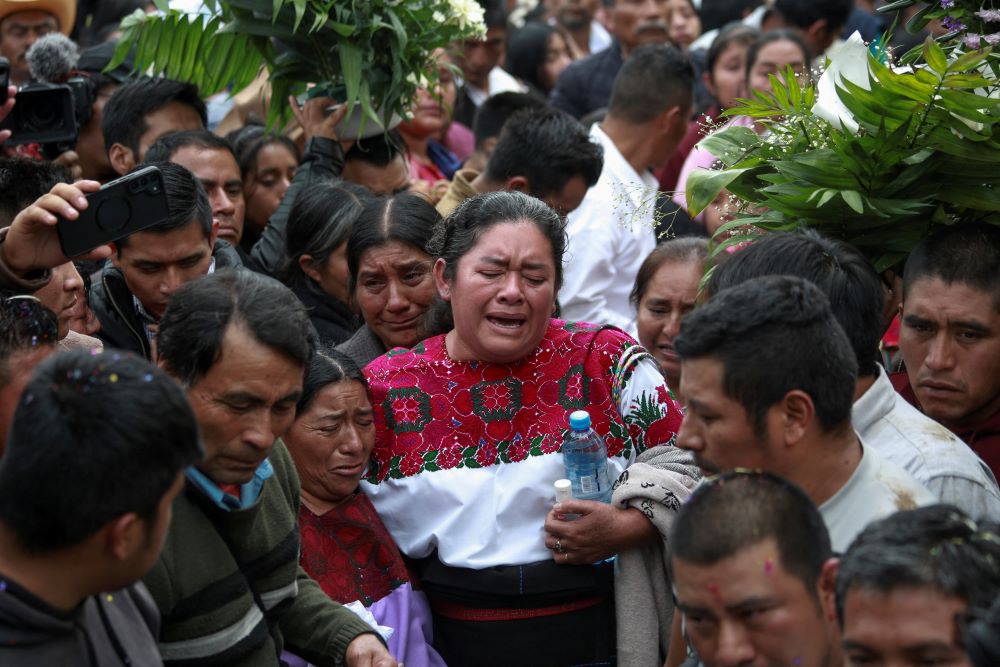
314,415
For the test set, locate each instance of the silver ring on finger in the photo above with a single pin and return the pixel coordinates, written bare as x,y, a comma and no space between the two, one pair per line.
559,548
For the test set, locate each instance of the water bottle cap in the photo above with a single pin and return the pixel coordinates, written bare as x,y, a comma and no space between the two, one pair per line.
564,490
579,420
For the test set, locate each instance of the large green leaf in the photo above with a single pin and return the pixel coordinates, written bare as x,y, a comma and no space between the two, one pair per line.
704,185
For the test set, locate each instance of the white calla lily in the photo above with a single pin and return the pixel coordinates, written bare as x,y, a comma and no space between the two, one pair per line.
850,63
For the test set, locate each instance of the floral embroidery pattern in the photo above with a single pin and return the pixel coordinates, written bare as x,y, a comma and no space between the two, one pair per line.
496,400
433,413
407,409
574,388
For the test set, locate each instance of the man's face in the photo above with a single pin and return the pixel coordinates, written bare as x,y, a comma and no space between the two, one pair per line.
950,341
568,199
389,180
174,117
18,370
17,33
155,264
638,22
747,611
477,58
220,176
574,14
906,627
244,403
717,428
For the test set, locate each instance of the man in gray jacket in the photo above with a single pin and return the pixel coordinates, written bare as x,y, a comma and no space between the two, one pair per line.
94,460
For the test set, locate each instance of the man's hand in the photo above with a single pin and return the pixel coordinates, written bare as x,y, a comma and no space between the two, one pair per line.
600,532
32,242
315,120
5,109
367,651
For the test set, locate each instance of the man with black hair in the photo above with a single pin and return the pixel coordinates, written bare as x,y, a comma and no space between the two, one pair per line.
820,21
935,457
22,181
93,154
142,111
576,17
586,85
28,336
228,583
562,164
907,585
94,460
131,294
751,568
491,116
611,233
479,60
950,334
212,161
379,164
768,378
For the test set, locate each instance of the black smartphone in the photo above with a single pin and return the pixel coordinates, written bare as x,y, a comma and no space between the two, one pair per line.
124,206
4,79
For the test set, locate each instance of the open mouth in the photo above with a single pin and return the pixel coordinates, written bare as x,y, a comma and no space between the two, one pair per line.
508,322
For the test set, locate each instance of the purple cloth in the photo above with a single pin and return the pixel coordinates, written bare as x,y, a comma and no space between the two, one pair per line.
406,611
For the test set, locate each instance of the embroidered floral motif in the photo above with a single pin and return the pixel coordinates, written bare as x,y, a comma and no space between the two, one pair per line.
407,409
496,400
574,388
433,413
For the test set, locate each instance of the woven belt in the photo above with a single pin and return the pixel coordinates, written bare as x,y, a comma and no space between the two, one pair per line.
457,612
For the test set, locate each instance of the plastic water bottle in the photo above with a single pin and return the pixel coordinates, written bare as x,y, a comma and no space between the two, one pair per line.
586,460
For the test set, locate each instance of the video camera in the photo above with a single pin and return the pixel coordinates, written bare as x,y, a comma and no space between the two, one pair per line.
50,113
51,109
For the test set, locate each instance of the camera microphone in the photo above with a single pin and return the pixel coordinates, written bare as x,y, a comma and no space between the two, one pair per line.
52,58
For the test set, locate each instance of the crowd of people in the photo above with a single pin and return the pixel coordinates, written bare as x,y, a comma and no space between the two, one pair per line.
314,415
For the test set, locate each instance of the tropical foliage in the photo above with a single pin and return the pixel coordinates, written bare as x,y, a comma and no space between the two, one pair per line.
378,52
874,154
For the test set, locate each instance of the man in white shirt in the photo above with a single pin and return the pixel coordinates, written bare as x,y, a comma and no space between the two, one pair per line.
576,17
479,60
611,232
882,418
768,376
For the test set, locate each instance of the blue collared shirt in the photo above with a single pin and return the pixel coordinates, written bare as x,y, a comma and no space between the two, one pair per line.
249,492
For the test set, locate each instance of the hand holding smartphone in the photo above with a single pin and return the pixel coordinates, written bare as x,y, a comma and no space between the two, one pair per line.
122,207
